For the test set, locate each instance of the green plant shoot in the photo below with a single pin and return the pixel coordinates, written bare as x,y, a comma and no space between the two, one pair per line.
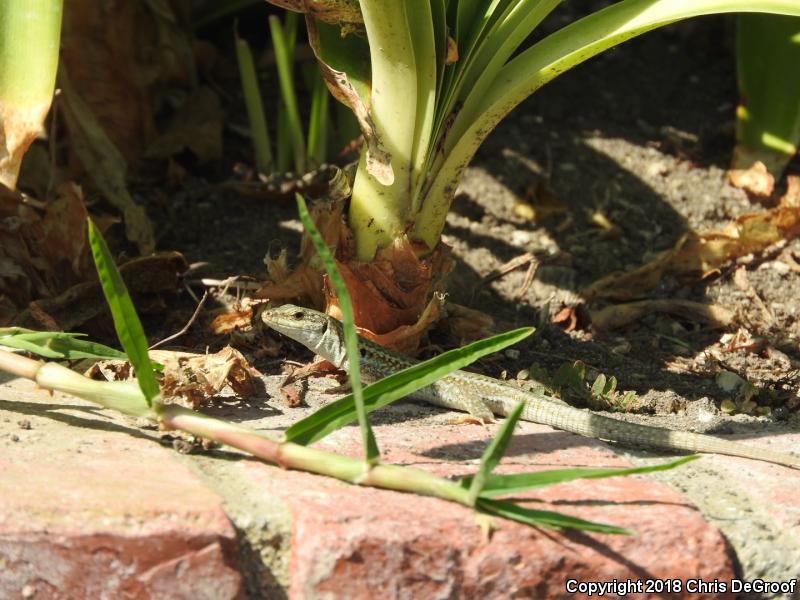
351,337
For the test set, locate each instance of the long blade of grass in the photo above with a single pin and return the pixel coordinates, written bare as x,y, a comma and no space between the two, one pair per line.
493,453
505,35
284,146
502,485
58,345
126,321
545,518
439,17
350,336
284,60
337,414
421,26
319,121
255,107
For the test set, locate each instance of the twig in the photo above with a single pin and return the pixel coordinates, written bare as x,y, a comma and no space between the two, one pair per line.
506,268
226,283
186,327
533,266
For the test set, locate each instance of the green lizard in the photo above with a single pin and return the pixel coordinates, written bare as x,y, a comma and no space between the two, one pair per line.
484,396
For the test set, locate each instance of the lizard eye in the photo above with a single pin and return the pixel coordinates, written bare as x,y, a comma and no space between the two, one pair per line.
297,316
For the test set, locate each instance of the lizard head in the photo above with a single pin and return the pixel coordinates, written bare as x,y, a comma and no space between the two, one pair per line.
303,325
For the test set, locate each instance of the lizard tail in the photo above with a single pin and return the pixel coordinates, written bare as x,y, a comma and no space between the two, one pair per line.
609,429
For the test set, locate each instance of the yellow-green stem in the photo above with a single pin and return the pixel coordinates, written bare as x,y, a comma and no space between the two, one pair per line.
378,212
30,33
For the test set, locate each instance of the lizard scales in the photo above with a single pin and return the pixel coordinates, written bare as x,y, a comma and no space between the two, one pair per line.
483,396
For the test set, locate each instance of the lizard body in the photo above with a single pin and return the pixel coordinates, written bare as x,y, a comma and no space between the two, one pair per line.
484,396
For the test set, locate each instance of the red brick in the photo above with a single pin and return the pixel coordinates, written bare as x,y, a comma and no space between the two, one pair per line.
352,542
94,511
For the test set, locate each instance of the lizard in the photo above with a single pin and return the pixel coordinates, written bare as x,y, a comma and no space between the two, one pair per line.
483,396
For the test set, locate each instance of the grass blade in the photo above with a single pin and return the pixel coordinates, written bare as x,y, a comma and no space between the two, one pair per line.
398,385
494,452
255,107
545,518
284,60
350,335
502,485
126,321
319,121
57,345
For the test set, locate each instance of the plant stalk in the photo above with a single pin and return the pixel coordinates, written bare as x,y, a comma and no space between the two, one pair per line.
30,34
312,460
378,212
127,398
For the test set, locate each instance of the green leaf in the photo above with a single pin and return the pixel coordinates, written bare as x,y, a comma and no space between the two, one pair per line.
398,385
494,452
571,378
284,60
610,387
599,386
318,124
350,336
503,485
58,345
255,108
532,68
126,321
545,518
768,118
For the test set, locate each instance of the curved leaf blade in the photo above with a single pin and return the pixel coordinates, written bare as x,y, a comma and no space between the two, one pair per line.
348,325
398,385
503,485
126,321
546,518
494,452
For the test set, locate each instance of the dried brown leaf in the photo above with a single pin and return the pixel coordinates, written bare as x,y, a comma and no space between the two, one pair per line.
697,254
43,248
566,318
620,315
189,379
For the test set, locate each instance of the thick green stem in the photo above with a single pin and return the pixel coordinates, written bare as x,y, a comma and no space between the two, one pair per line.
30,33
541,63
123,396
378,212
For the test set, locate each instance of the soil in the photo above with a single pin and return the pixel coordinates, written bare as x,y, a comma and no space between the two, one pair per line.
641,135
